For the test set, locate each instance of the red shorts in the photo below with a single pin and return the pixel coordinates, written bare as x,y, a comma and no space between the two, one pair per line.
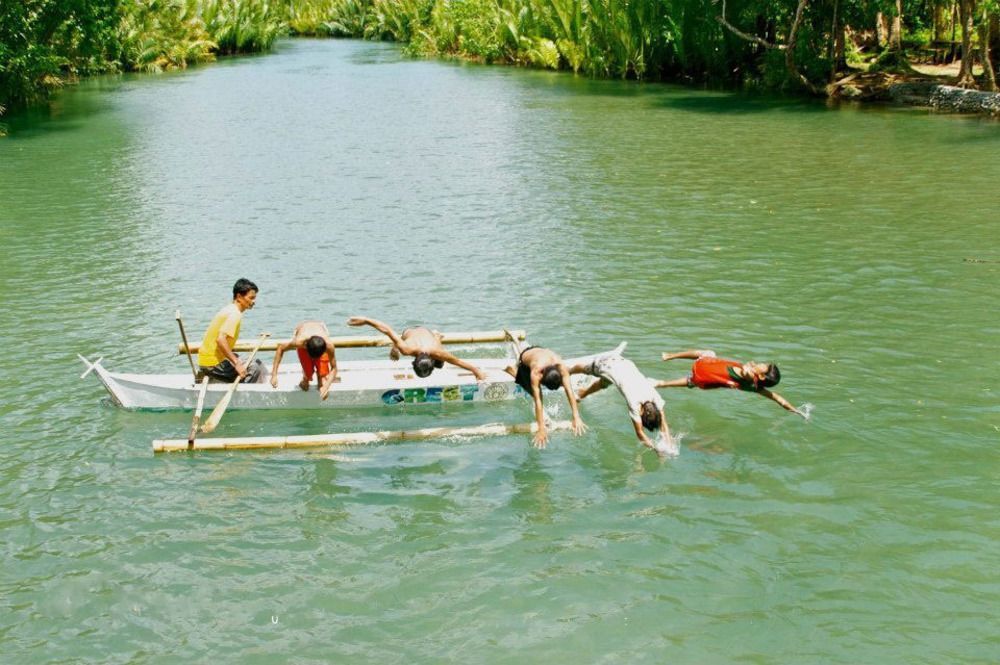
312,365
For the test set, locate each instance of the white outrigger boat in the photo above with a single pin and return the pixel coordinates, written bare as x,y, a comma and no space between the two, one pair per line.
360,383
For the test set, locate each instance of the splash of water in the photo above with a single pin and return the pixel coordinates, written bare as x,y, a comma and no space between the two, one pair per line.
670,446
807,410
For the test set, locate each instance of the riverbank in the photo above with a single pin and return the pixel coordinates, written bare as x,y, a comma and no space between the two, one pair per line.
925,85
678,42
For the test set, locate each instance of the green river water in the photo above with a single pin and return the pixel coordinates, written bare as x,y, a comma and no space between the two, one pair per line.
346,179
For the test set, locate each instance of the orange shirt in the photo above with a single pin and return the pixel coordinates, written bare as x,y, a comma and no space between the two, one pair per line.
708,372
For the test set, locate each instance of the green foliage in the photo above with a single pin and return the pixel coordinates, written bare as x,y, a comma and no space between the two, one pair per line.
310,17
471,28
164,34
241,26
348,19
44,43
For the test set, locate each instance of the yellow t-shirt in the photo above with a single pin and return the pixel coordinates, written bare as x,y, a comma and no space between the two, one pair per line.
227,321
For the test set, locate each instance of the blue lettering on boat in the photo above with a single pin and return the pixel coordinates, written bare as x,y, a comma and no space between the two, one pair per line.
433,394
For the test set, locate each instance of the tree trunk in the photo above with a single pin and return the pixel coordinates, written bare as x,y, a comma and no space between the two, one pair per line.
956,21
995,32
896,28
881,29
793,34
966,11
835,27
839,48
989,75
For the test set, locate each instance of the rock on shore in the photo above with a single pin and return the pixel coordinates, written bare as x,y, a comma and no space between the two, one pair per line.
946,98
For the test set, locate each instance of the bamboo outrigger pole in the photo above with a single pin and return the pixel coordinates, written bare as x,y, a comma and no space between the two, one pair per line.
362,341
184,346
197,413
348,438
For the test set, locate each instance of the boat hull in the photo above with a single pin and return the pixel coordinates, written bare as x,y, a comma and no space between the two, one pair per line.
360,384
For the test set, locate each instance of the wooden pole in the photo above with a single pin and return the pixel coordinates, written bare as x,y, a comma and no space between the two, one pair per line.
197,413
363,341
185,347
220,408
349,438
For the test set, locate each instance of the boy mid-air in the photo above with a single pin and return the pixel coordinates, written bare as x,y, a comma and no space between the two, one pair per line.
708,372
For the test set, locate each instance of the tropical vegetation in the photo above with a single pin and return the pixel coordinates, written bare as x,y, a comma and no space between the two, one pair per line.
802,44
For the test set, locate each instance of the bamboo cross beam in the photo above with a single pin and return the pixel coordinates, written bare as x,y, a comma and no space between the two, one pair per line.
348,438
362,341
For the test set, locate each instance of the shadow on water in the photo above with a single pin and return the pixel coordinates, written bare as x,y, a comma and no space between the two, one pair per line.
737,104
63,114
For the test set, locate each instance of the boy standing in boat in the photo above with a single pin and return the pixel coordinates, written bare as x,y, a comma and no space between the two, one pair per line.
537,367
645,406
316,355
216,358
708,372
422,343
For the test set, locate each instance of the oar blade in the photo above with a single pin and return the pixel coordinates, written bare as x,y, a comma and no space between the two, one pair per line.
217,413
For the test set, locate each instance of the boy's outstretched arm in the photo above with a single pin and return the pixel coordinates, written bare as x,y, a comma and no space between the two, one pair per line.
641,435
785,404
578,427
458,362
692,354
673,383
383,328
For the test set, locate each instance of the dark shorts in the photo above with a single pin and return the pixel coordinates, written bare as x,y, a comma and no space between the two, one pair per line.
523,377
224,372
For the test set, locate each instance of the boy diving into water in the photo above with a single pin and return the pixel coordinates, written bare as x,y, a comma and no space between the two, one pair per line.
708,372
645,406
421,343
537,367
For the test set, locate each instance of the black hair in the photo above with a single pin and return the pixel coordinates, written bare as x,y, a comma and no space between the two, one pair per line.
650,416
552,377
315,346
771,376
244,286
423,365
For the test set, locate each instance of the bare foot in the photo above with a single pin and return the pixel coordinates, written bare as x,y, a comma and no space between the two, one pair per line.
304,384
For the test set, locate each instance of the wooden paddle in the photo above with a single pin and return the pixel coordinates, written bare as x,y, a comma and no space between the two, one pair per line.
187,347
197,412
220,408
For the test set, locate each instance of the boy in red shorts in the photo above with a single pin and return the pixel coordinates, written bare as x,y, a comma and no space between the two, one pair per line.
316,355
710,372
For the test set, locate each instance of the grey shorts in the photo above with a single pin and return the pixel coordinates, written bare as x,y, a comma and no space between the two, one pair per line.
224,372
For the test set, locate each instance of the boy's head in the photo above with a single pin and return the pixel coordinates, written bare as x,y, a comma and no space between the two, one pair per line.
650,416
764,375
423,365
315,346
552,377
243,286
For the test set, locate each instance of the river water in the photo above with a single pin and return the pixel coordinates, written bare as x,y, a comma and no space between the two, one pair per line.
859,249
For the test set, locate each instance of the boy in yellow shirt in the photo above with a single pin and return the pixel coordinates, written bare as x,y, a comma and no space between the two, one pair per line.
216,358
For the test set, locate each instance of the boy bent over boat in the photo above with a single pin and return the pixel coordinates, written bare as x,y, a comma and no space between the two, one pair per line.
316,355
422,343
